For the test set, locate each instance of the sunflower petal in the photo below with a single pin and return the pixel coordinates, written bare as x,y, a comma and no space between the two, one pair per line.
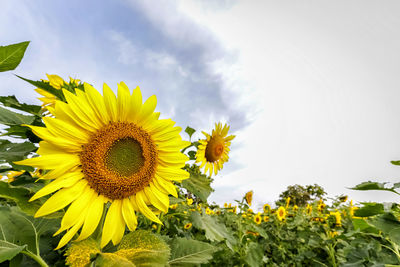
144,209
92,218
129,214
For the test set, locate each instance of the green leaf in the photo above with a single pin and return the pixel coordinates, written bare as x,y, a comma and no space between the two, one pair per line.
21,196
362,225
198,184
47,87
12,102
369,209
11,55
189,252
373,186
214,230
143,248
254,255
192,155
10,118
15,151
9,250
190,131
21,229
397,162
389,225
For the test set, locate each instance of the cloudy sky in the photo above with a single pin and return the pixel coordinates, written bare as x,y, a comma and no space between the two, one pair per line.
310,88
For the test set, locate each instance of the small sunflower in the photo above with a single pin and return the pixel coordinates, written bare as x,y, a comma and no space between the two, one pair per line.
249,197
225,205
265,218
189,201
308,209
338,218
257,218
107,149
187,226
213,151
266,208
295,208
208,211
281,213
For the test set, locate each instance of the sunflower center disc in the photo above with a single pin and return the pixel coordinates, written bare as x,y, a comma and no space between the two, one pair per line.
214,149
119,160
125,157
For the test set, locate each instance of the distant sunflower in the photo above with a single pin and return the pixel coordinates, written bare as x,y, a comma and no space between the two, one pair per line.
266,208
213,151
266,218
187,226
257,218
107,149
249,197
56,82
281,213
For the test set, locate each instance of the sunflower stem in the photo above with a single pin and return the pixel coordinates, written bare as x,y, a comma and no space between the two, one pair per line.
36,258
161,216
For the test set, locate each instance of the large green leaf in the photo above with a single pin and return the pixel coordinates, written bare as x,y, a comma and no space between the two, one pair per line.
215,231
388,224
10,152
374,186
11,55
12,102
198,184
24,230
254,255
9,250
10,118
189,252
20,195
369,209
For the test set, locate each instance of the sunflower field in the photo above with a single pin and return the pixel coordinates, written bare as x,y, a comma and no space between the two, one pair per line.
94,178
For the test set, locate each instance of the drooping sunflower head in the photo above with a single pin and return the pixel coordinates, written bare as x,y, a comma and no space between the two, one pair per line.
107,149
249,197
281,213
213,151
309,209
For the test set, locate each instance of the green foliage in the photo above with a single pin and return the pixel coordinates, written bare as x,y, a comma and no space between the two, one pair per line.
189,252
9,250
376,186
19,195
300,195
190,131
369,209
47,87
10,118
198,183
11,55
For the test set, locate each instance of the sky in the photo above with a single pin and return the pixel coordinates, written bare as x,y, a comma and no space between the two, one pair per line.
309,88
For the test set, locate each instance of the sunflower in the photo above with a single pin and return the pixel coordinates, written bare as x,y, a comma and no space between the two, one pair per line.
249,197
281,213
257,218
56,82
266,208
213,151
308,209
107,150
187,226
266,218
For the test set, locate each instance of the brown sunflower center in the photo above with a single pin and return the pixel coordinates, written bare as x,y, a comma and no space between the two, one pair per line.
214,149
119,160
281,213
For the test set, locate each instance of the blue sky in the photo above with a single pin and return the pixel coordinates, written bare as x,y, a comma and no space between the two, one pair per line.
310,88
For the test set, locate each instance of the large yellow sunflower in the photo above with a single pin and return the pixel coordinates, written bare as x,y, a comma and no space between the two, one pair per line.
213,151
107,149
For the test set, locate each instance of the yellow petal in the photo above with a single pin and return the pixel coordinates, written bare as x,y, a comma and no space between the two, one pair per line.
61,199
65,181
110,102
92,218
175,174
111,222
144,209
157,199
147,108
136,104
164,186
96,101
123,102
76,209
66,130
70,234
52,161
129,214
